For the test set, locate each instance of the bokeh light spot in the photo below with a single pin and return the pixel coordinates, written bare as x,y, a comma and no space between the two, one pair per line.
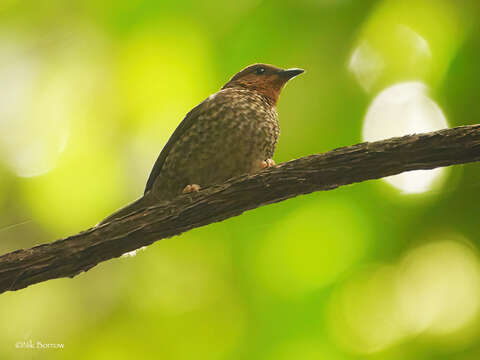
366,64
34,126
439,286
403,109
397,43
433,290
374,62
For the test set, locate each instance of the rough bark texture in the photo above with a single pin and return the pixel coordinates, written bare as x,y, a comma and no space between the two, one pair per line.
70,256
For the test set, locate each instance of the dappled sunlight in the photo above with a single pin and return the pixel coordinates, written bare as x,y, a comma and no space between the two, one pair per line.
433,291
404,109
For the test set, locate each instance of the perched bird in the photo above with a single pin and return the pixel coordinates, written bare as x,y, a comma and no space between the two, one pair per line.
232,132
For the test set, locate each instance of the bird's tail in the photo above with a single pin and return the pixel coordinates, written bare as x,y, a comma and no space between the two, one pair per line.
140,203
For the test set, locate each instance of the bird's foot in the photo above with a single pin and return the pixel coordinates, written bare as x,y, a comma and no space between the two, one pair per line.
191,188
267,163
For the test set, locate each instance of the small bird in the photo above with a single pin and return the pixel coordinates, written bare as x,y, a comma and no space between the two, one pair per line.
232,132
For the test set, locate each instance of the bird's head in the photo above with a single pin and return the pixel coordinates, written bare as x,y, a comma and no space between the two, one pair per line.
268,80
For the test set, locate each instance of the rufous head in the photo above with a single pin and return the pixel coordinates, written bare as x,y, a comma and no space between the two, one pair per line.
266,79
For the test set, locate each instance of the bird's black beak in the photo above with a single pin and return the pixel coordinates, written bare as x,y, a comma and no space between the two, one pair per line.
291,73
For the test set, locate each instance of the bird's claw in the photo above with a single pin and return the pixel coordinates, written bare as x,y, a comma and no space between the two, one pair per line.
191,188
268,163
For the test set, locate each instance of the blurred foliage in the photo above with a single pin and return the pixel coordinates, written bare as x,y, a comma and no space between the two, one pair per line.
91,91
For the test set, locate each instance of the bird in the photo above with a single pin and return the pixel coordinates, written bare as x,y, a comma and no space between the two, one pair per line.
232,132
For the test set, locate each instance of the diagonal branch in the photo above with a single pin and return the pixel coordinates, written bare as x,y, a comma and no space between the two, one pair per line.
70,256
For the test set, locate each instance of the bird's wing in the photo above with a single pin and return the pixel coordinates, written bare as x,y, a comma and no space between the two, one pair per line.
186,123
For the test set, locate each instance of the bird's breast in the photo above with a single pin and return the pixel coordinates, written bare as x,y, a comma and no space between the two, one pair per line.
233,132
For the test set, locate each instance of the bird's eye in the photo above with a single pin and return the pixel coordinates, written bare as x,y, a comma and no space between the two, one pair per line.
260,71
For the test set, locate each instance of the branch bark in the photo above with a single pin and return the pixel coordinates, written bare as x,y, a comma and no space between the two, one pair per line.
347,165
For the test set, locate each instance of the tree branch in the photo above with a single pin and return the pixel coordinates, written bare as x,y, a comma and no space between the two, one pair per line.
70,256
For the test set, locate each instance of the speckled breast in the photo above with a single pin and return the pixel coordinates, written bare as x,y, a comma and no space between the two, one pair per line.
233,130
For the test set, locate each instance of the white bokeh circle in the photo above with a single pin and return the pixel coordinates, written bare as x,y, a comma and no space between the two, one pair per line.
403,109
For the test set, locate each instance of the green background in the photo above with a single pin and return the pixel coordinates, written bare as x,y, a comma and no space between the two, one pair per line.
91,91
